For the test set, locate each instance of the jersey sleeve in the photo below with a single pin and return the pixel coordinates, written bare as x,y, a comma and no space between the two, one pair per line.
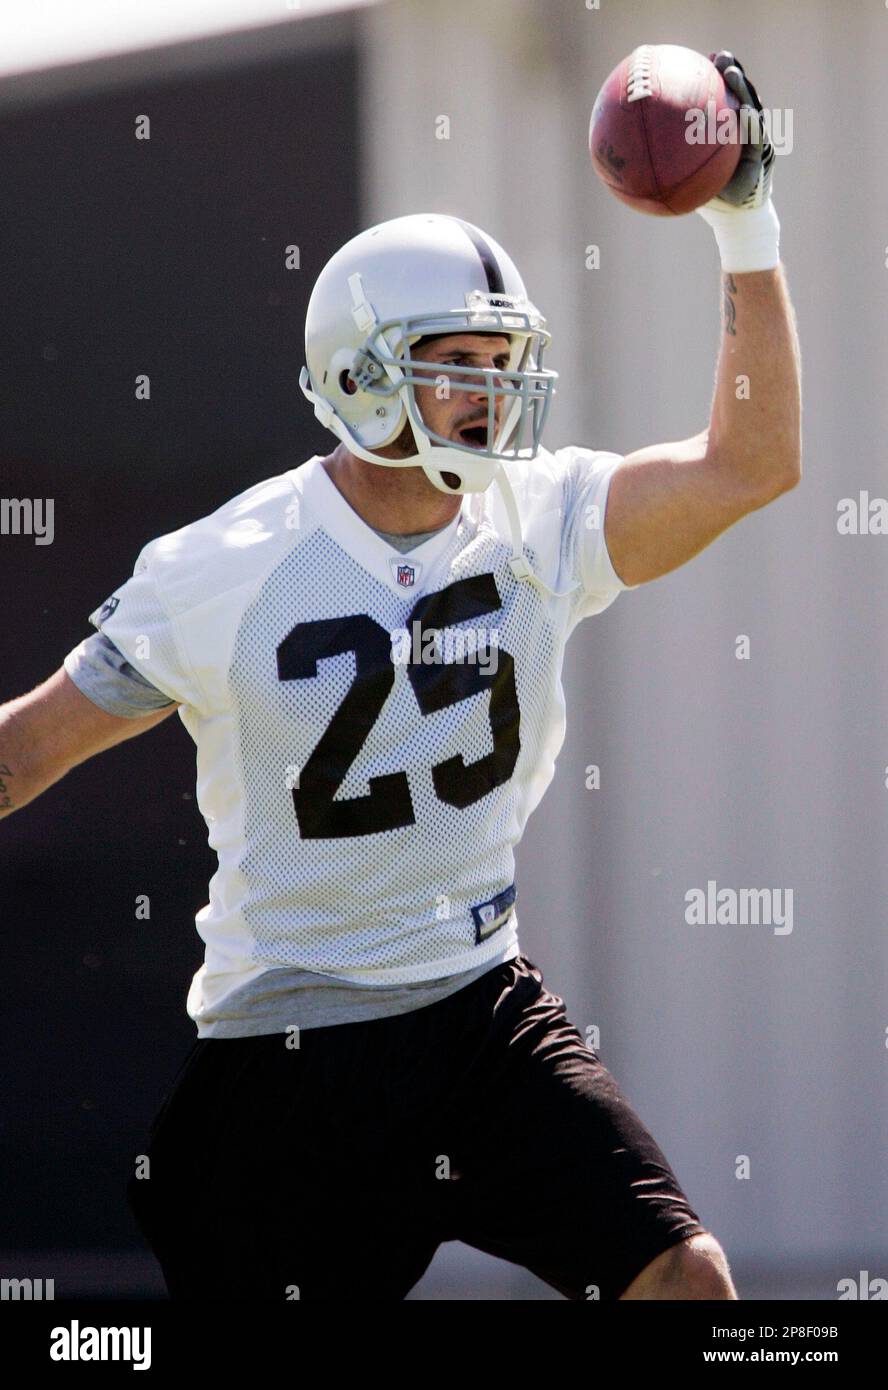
140,623
102,673
587,475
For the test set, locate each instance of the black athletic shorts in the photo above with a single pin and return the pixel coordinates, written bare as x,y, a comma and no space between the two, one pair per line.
335,1169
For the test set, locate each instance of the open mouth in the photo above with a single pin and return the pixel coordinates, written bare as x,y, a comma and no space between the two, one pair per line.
475,435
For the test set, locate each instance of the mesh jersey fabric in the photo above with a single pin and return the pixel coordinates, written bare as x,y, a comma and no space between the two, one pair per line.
102,673
361,808
277,999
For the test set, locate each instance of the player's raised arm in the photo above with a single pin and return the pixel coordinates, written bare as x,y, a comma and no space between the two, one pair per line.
668,501
50,730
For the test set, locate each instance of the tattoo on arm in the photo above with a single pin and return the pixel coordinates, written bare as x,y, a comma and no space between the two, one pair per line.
730,287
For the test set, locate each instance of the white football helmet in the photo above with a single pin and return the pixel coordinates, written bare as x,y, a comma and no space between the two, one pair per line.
403,280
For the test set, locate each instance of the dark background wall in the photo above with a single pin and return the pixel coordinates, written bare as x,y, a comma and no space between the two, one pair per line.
121,257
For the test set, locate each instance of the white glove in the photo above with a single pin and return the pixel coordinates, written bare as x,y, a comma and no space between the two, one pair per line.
742,215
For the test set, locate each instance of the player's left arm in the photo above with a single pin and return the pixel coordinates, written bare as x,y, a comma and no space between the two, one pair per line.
668,501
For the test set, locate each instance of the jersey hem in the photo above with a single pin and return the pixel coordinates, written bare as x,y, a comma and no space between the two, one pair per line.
370,979
359,1011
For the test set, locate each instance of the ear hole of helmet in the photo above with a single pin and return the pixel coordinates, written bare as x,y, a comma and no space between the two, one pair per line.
346,384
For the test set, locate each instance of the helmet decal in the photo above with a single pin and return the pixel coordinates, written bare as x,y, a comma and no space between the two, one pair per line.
490,265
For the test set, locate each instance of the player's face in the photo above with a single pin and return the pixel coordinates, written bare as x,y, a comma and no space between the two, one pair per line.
449,410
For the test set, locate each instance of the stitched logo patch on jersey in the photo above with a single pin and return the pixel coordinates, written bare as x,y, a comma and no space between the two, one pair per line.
405,575
490,916
108,608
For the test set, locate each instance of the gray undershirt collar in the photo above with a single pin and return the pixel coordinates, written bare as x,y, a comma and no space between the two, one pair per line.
409,541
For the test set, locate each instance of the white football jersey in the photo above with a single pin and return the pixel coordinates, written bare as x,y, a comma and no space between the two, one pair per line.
373,729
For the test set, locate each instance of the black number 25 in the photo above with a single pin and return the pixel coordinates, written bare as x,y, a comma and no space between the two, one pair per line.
388,804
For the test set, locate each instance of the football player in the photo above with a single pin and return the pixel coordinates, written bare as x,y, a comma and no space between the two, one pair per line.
367,653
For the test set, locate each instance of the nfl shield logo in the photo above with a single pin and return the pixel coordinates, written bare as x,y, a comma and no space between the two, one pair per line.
405,576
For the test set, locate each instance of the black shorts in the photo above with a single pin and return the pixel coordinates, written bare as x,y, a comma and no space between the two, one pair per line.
335,1169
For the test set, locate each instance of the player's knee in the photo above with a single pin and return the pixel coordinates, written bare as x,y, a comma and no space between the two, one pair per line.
700,1269
695,1268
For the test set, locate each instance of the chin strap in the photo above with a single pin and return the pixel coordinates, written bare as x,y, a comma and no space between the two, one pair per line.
519,563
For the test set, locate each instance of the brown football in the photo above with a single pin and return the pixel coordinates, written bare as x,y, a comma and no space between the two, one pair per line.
661,136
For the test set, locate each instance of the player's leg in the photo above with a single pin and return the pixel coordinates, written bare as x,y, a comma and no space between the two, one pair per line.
274,1175
557,1172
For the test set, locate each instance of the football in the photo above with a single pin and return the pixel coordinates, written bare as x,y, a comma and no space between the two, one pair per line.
664,136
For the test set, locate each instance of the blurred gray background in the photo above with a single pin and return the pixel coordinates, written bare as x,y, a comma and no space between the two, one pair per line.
762,773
